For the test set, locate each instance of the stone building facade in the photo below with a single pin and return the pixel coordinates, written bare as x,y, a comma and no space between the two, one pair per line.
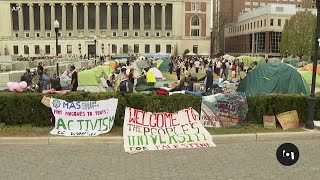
139,27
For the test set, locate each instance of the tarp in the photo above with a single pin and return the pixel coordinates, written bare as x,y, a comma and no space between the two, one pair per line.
141,64
151,77
92,76
273,78
161,56
148,55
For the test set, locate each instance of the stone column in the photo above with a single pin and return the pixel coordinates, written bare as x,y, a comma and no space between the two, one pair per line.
152,19
253,44
42,20
75,20
120,18
53,18
64,20
131,19
97,19
20,14
109,19
86,13
31,15
163,20
141,18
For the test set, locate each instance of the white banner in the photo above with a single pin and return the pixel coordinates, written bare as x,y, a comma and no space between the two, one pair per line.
83,118
145,131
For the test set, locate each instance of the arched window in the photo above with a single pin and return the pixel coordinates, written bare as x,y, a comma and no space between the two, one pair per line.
195,26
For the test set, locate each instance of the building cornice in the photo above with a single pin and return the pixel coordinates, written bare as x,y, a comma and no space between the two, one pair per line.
93,1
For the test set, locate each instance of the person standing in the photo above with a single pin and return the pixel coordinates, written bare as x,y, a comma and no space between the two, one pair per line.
131,80
74,78
171,67
178,70
45,83
27,77
209,80
197,66
224,69
218,68
123,80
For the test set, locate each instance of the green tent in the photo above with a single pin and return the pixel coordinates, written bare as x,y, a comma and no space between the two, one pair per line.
292,62
92,76
273,78
163,64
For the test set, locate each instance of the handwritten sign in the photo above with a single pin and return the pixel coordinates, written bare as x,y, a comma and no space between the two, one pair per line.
289,120
83,118
269,122
145,131
224,110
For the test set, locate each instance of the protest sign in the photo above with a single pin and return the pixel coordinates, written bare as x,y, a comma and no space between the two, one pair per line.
289,120
269,122
145,131
223,110
83,118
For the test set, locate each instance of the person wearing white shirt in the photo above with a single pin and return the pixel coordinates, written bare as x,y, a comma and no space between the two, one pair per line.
197,66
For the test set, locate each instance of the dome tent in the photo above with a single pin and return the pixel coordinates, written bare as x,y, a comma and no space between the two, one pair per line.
273,78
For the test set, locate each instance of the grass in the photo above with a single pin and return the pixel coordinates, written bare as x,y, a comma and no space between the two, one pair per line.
30,131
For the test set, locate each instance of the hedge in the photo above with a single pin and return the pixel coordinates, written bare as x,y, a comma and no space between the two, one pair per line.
26,108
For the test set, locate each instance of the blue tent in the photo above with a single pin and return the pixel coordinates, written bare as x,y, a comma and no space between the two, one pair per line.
148,55
161,56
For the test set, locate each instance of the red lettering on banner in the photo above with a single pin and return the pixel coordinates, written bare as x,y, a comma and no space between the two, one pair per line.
150,121
57,112
133,117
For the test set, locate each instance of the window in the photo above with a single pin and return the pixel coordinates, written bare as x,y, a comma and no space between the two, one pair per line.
48,34
158,48
136,48
147,48
271,22
265,22
136,34
59,34
114,48
254,25
26,49
47,48
125,34
70,34
15,50
69,49
279,22
37,49
157,34
195,6
168,48
195,26
38,34
168,34
125,48
17,35
147,34
114,34
195,49
27,34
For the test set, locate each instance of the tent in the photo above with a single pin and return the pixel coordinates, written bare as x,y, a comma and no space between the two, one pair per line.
148,55
157,73
191,54
273,78
161,56
112,64
163,64
204,54
120,56
293,62
92,80
307,75
141,64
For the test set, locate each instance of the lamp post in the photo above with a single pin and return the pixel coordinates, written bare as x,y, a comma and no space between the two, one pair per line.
312,98
56,26
95,49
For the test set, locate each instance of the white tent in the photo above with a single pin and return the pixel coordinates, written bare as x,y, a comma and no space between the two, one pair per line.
157,73
191,54
204,54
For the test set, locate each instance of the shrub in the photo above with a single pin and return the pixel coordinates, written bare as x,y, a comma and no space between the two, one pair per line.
26,108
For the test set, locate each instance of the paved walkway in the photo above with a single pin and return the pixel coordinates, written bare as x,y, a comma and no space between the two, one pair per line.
226,161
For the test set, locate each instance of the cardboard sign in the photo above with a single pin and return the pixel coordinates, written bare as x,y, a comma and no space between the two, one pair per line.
146,131
289,120
223,110
269,122
83,118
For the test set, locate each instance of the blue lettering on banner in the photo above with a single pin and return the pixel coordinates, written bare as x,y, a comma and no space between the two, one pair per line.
89,105
73,105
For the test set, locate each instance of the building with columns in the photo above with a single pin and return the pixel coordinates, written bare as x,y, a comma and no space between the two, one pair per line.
145,26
